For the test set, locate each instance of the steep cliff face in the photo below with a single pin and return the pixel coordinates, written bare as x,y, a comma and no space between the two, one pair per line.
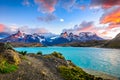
114,43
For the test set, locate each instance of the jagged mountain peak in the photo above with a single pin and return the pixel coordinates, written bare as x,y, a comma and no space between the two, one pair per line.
87,34
51,39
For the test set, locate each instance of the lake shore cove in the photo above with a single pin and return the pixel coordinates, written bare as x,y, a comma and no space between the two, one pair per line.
40,67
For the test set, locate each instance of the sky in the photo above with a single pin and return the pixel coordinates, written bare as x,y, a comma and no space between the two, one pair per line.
55,16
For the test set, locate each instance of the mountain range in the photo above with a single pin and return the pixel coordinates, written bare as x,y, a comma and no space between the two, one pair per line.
51,39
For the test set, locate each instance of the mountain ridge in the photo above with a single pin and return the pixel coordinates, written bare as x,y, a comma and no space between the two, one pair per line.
114,43
51,39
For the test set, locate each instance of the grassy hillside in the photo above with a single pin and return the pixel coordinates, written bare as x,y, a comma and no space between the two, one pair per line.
15,44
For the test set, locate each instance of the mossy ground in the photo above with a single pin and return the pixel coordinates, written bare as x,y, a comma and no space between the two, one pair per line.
6,67
75,73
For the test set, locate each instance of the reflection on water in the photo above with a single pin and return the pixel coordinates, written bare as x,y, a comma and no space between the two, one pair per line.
106,60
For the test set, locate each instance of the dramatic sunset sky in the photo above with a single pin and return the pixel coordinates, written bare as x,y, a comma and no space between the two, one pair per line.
42,16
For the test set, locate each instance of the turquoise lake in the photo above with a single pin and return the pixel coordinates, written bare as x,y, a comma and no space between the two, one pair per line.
99,59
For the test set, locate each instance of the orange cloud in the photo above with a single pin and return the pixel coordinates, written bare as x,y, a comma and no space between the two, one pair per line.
2,27
46,5
113,17
111,26
83,27
87,29
104,33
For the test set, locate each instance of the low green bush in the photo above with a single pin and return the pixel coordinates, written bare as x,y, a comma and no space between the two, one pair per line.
75,73
8,46
58,55
22,52
39,53
6,67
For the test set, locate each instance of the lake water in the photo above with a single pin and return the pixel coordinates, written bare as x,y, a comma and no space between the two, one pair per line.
100,59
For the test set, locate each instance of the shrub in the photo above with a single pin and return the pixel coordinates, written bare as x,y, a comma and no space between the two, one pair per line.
39,53
8,46
75,73
22,52
58,55
6,67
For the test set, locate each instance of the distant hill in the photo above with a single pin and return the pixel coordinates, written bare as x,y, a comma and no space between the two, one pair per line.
93,43
4,35
114,43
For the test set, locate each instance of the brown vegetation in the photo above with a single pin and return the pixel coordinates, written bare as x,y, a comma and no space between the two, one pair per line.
15,44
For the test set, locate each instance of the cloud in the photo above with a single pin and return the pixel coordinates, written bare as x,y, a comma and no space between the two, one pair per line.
82,27
14,28
111,17
105,31
2,27
27,29
67,4
110,33
40,30
111,26
85,24
105,4
26,2
47,18
49,6
8,29
46,6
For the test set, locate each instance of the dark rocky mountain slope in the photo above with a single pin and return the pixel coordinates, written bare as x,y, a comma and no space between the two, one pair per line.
114,43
